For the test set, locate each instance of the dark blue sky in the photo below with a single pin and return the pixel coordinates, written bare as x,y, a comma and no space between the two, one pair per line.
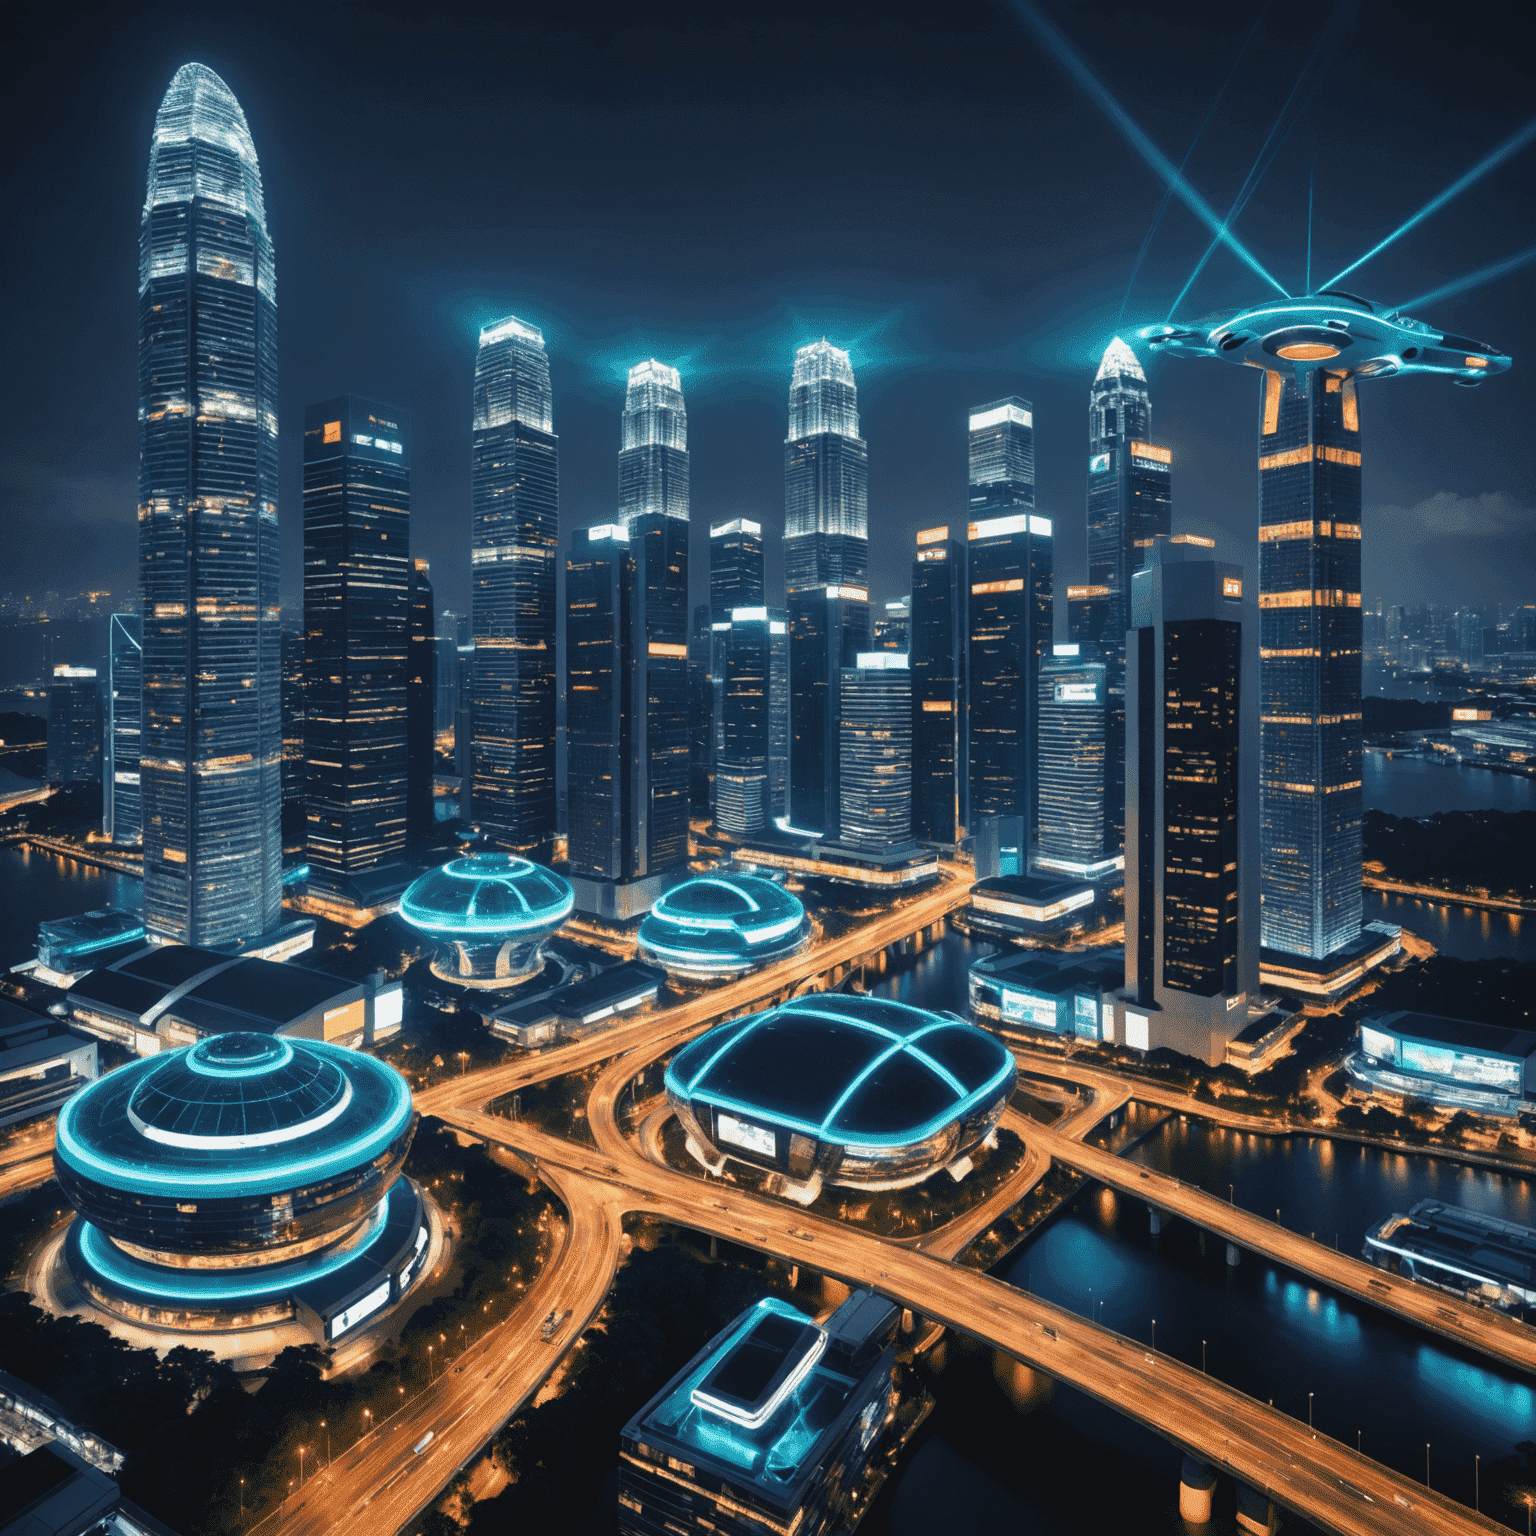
714,188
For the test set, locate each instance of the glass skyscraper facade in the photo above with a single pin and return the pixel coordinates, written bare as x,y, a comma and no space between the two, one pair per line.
1002,457
514,544
74,726
125,704
653,453
876,749
735,581
1309,601
940,729
357,629
826,565
420,707
753,643
1130,503
1010,564
1074,836
211,749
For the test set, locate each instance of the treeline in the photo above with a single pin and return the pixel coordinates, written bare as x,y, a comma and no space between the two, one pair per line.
188,1426
1493,851
1497,991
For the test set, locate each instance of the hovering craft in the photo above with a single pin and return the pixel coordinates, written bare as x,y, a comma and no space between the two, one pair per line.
1332,330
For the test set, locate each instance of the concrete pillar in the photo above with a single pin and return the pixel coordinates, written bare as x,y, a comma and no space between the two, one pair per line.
1255,1514
714,1246
1197,1484
1234,1257
1155,1216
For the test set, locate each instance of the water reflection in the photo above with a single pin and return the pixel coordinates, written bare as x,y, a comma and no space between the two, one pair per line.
35,887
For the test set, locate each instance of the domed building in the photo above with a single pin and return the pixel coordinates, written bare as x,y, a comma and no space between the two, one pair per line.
244,1181
857,1091
489,914
722,925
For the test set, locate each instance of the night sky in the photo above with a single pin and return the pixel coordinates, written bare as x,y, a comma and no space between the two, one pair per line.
714,187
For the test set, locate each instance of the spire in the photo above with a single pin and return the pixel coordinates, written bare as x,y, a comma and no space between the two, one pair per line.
1119,359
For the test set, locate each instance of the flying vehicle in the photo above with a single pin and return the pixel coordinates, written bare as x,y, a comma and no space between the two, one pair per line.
1332,330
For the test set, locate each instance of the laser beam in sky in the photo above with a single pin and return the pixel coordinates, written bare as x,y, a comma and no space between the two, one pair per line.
1512,145
1472,280
1066,56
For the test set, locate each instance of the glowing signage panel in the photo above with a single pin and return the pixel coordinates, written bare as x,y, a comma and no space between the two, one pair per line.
755,1138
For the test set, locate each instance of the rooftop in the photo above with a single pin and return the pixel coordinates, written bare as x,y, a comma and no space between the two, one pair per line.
487,894
1460,1034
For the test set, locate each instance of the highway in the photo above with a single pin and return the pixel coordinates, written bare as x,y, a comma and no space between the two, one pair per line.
30,1163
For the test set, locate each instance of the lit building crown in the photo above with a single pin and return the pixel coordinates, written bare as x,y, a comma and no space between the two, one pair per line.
653,407
512,377
1120,361
823,396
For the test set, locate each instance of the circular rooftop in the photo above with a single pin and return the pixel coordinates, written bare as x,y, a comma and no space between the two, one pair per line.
487,895
233,1116
859,1070
720,924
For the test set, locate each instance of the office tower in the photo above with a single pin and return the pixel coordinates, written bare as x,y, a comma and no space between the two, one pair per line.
1192,845
445,686
1010,563
420,707
939,640
826,561
735,581
653,452
701,709
125,682
1309,601
1002,453
464,729
598,733
456,627
1075,835
74,726
826,475
893,628
750,773
357,626
735,565
777,1425
291,651
1087,620
1130,498
876,750
514,540
211,753
627,712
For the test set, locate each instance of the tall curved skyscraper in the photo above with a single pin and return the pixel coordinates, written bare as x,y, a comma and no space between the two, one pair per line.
211,753
514,538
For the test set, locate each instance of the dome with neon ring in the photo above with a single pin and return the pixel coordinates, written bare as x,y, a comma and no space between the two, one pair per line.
214,1183
489,914
722,925
857,1091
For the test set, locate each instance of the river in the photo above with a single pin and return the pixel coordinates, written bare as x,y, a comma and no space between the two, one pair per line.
1418,786
1008,1451
35,887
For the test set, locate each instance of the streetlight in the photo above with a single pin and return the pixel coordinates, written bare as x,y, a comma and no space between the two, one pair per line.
1231,1195
301,1466
1426,1463
367,1422
429,1361
1477,1482
1309,1413
1202,1357
327,1428
242,1498
463,1062
1154,1335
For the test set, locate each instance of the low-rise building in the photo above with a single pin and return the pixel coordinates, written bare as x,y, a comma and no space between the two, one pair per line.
1476,1256
1023,994
1030,906
68,947
169,995
581,1009
42,1062
777,1425
1454,1062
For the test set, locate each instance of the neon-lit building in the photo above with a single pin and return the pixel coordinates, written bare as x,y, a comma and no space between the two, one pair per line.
723,925
125,708
490,914
74,726
211,750
244,1181
653,447
514,538
1030,906
937,656
854,1091
1043,992
1077,834
778,1425
1483,1067
1468,1253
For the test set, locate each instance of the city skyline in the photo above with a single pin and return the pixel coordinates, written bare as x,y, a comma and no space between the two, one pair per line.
921,359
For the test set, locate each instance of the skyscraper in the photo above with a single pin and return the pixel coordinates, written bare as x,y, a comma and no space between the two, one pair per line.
1074,836
357,626
653,452
420,707
735,581
701,709
125,704
1192,846
939,641
74,726
514,478
876,751
1309,597
211,750
627,712
893,628
826,561
1002,454
1010,566
751,642
1130,503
